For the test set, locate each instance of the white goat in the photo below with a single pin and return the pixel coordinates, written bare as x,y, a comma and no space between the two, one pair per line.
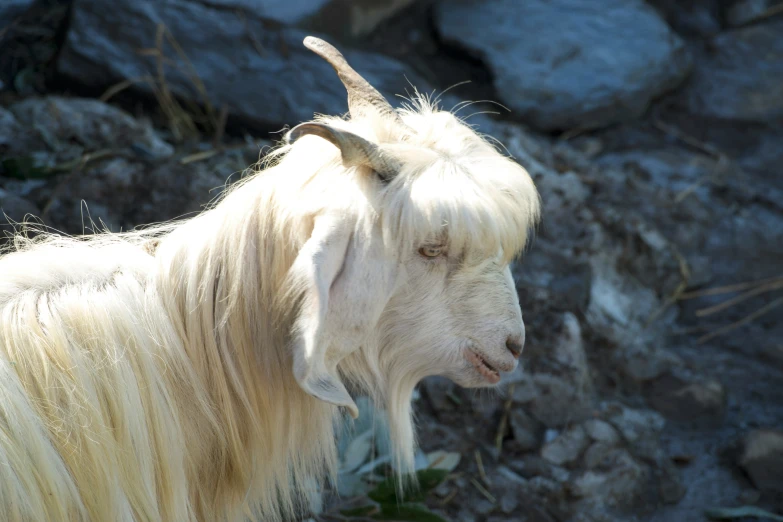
193,371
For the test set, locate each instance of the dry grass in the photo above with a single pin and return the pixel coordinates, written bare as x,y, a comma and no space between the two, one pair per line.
747,291
185,118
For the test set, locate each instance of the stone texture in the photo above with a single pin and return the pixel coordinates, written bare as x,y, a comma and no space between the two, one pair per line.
89,125
743,12
618,484
686,401
99,167
10,9
561,64
740,77
596,455
567,447
694,18
354,18
287,12
345,18
639,429
557,402
601,431
762,459
256,68
528,432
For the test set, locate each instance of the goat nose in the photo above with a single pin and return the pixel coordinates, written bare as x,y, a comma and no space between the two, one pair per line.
515,343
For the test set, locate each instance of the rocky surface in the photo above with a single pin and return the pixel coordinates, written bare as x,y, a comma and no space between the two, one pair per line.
647,392
341,18
218,57
10,9
737,76
694,19
762,460
80,164
566,63
744,12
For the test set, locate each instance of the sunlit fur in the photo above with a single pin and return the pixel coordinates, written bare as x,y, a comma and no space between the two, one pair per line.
147,375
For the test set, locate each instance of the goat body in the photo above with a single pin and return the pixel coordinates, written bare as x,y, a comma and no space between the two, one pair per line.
194,371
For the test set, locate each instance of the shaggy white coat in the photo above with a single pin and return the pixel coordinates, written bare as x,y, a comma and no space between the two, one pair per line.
192,371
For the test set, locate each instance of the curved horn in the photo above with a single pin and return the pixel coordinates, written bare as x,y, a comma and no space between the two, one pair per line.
361,95
355,150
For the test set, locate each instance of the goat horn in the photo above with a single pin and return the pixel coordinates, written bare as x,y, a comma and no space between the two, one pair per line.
355,150
360,93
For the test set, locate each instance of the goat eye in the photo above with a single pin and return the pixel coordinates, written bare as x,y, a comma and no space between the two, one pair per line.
431,251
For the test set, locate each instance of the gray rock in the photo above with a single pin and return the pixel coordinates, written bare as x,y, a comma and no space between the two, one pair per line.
762,459
740,77
641,363
509,502
557,402
688,401
9,129
10,9
15,139
670,486
82,124
641,429
260,71
528,431
744,12
524,388
567,447
601,431
568,63
483,507
596,455
619,485
700,18
344,18
354,18
749,496
287,12
569,351
775,353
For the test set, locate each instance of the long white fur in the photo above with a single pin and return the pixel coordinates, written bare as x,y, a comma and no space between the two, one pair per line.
152,375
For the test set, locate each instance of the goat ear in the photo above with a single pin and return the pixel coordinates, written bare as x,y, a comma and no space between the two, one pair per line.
344,285
354,149
315,269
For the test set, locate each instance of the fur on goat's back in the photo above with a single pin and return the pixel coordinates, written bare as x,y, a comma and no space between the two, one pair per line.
91,426
129,392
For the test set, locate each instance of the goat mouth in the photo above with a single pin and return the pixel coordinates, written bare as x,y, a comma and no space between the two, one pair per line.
483,367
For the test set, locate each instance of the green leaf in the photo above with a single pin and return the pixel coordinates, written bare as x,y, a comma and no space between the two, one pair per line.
428,479
385,492
407,513
739,512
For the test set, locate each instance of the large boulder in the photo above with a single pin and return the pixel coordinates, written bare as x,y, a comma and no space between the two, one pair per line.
562,64
345,18
254,66
739,77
